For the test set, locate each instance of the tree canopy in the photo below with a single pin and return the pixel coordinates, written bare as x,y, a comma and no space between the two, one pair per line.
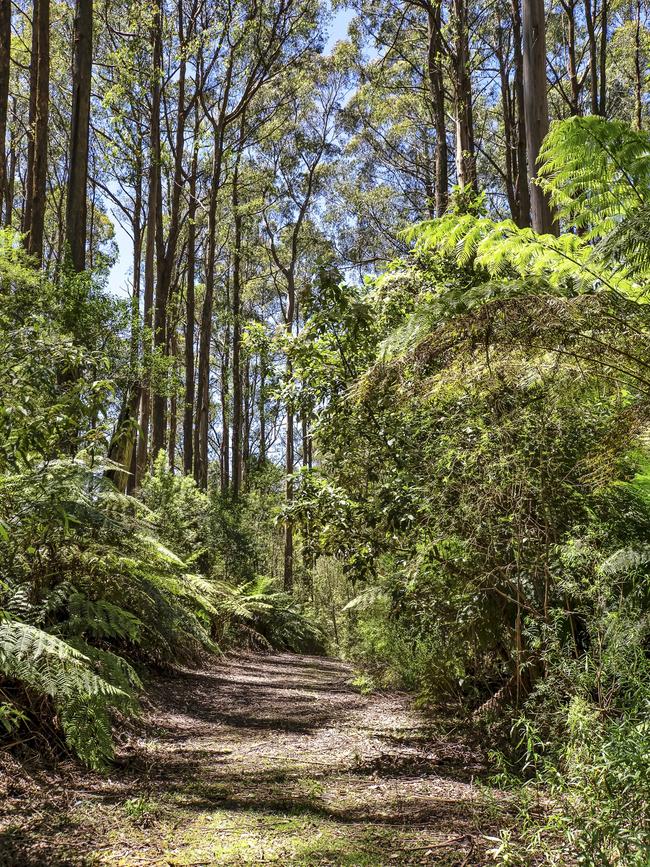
376,380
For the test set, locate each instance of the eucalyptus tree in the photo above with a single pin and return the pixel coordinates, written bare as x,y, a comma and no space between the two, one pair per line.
254,46
298,166
76,207
5,52
536,106
38,130
408,40
183,52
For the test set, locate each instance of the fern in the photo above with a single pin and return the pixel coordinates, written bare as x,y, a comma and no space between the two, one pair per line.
49,664
261,614
628,243
89,590
626,560
102,619
595,171
160,552
501,250
597,175
86,724
55,668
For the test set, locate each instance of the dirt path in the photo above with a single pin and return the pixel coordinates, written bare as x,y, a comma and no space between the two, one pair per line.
261,759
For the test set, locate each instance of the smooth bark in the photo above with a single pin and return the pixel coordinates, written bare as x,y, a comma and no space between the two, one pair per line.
536,107
150,247
190,312
237,408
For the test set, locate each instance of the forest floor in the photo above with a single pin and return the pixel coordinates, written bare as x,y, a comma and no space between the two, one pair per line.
261,759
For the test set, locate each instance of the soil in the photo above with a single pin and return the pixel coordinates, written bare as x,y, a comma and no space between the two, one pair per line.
260,759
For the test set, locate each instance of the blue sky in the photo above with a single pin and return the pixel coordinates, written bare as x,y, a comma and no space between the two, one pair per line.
119,278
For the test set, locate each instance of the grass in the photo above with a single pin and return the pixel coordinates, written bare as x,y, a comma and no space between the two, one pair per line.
248,837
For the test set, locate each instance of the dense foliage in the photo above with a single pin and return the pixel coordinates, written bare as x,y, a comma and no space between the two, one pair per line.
372,377
484,478
96,585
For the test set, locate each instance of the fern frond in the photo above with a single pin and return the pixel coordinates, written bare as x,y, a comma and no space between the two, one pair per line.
101,618
160,551
626,560
504,251
595,171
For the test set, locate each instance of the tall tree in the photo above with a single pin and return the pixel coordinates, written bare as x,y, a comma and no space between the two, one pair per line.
237,395
522,192
258,46
151,238
296,163
190,306
5,54
437,93
35,192
535,106
76,217
168,261
464,110
597,31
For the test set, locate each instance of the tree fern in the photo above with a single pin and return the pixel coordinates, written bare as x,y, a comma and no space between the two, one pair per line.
501,250
595,171
89,589
48,663
597,174
101,618
263,614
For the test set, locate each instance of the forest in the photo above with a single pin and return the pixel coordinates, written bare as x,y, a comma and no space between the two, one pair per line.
324,432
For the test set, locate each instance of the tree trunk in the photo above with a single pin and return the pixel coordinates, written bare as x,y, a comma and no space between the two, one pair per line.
521,185
205,332
13,161
249,411
569,7
80,128
150,248
136,228
306,442
465,156
31,122
164,269
5,53
508,127
190,312
36,193
437,92
121,448
170,252
173,419
536,107
289,450
638,69
602,100
593,55
237,408
225,415
262,407
288,527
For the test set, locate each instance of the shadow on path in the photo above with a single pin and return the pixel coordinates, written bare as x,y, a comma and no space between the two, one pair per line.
260,759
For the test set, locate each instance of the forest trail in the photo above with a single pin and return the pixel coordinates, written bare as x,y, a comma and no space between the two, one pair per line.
262,759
